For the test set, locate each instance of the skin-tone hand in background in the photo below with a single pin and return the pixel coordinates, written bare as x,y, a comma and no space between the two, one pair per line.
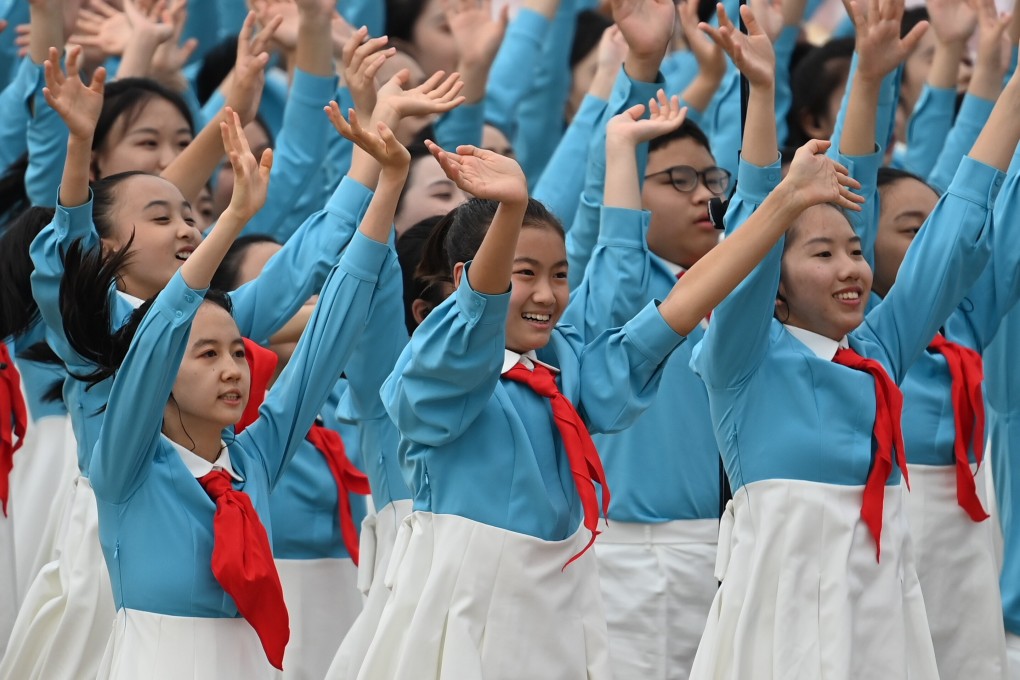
477,36
710,57
647,26
993,50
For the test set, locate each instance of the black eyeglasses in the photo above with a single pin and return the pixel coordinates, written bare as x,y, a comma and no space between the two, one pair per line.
684,178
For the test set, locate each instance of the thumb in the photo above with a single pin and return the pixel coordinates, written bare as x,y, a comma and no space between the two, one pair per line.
266,165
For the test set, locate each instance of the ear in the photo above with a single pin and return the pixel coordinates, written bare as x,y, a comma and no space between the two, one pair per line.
420,309
458,271
814,126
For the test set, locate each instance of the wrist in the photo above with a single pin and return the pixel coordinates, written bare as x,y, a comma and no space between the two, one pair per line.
643,68
788,201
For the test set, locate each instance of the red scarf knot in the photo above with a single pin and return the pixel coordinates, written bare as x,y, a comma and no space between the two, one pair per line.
348,478
242,562
583,458
13,421
967,372
888,437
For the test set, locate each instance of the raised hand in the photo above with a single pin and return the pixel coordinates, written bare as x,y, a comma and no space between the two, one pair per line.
79,106
103,27
815,179
248,78
286,12
752,53
476,34
438,94
993,51
362,59
709,55
769,14
665,115
251,176
880,50
482,173
172,55
612,50
647,25
953,21
380,144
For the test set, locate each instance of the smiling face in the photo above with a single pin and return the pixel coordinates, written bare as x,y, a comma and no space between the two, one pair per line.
165,235
539,290
146,140
906,204
211,389
680,230
825,280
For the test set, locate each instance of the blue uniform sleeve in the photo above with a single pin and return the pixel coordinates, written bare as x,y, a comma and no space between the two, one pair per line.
980,315
381,343
785,45
928,127
559,188
300,151
340,314
617,283
540,114
865,223
973,115
723,124
462,125
621,370
513,70
449,369
47,253
370,13
737,338
131,426
679,69
584,232
298,270
14,112
47,147
941,265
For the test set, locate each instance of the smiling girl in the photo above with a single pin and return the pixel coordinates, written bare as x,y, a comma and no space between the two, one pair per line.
815,559
490,577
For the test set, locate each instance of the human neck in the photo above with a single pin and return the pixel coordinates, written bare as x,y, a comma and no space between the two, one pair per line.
202,438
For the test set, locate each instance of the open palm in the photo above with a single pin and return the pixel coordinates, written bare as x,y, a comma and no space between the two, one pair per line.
752,52
77,104
665,115
482,173
818,179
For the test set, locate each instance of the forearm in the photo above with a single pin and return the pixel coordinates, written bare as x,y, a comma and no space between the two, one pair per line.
314,53
291,331
191,170
859,133
945,65
199,268
986,81
137,58
74,185
698,95
622,187
998,140
378,220
761,144
47,29
493,264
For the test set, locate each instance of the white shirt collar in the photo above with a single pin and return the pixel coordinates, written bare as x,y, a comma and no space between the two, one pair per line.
199,467
675,269
823,347
132,300
529,359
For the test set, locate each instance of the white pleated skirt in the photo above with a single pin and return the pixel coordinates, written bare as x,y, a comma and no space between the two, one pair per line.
378,536
957,570
148,646
469,601
658,583
323,600
43,475
802,596
64,623
8,583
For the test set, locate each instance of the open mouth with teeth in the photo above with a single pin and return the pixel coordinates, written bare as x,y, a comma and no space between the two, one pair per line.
542,319
231,398
183,255
848,296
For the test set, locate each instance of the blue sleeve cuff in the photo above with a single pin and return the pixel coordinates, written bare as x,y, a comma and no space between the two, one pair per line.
479,308
351,198
312,89
364,258
974,111
652,336
863,168
623,226
591,110
636,91
754,183
178,302
75,222
976,182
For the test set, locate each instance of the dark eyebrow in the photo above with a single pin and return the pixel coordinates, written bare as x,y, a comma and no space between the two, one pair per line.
203,341
825,240
526,260
911,213
156,204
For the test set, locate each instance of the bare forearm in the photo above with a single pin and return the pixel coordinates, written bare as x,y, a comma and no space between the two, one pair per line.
314,54
643,68
191,170
945,65
291,331
716,274
137,57
47,29
475,77
986,81
698,95
622,182
74,185
760,144
998,140
378,220
859,133
493,263
198,269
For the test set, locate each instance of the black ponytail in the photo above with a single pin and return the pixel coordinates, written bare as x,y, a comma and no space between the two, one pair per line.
18,310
